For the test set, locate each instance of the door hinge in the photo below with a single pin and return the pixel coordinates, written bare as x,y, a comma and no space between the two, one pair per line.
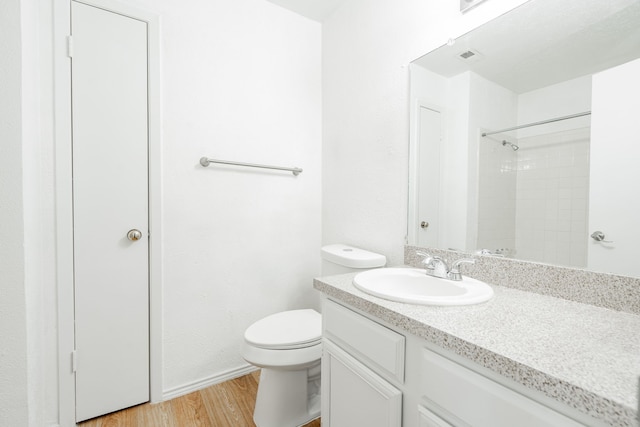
74,361
70,46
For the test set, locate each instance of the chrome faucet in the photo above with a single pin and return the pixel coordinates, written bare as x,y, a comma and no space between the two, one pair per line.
435,265
438,267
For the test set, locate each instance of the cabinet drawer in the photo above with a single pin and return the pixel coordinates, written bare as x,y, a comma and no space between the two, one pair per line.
426,418
376,346
464,397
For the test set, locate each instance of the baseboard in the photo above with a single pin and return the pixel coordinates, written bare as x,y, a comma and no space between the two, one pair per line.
174,392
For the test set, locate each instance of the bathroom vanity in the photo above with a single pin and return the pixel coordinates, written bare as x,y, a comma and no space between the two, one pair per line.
521,359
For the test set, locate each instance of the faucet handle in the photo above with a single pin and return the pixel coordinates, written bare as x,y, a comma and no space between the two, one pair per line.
435,265
426,257
454,273
429,259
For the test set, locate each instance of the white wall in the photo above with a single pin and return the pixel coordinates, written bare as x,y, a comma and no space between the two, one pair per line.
561,99
27,258
14,409
241,81
367,45
39,206
455,164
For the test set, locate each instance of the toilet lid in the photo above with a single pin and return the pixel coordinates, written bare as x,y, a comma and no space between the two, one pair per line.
286,330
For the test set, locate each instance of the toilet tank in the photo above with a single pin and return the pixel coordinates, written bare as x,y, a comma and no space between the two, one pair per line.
340,259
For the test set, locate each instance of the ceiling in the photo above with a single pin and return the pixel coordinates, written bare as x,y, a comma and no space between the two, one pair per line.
318,10
544,42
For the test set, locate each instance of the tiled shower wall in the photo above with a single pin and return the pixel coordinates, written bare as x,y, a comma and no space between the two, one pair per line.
552,198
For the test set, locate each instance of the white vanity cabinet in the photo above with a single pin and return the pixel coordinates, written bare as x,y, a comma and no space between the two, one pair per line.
374,375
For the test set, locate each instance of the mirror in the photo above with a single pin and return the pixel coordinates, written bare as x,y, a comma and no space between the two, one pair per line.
525,137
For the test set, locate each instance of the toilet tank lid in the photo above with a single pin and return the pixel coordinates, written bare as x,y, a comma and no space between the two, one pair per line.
349,256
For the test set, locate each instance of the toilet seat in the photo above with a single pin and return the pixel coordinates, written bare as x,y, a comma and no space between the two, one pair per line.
286,360
287,330
288,348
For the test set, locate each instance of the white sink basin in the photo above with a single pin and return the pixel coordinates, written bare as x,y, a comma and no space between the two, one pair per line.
412,285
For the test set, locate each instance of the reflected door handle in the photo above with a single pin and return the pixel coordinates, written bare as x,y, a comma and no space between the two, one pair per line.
598,236
134,235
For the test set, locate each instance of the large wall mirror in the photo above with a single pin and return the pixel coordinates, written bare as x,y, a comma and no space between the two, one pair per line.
525,137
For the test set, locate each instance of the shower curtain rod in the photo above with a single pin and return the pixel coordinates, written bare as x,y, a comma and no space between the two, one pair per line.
557,119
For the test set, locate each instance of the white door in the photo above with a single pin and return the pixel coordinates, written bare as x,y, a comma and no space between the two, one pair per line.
429,135
614,206
109,102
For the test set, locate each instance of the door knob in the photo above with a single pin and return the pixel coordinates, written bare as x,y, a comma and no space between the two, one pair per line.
134,235
424,224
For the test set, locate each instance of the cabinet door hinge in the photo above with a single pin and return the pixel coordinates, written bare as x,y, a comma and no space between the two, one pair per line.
74,361
70,46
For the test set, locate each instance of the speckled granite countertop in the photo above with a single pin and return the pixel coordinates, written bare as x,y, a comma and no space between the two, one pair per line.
585,356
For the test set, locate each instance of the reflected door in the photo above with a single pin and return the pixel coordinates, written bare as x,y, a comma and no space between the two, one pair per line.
428,188
614,205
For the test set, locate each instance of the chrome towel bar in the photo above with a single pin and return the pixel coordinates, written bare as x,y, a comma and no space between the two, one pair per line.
204,161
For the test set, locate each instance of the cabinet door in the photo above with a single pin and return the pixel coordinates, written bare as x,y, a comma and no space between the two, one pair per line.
354,395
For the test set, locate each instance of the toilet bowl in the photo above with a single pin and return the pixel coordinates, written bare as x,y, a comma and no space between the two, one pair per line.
287,346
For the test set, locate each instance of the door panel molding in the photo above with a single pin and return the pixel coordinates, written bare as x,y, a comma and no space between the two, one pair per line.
64,198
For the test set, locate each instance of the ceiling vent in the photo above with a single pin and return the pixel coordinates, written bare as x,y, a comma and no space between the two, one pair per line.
469,56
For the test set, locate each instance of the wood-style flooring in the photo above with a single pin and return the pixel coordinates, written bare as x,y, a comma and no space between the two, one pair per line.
228,404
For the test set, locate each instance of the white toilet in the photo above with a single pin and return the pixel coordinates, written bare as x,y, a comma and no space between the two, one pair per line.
288,347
